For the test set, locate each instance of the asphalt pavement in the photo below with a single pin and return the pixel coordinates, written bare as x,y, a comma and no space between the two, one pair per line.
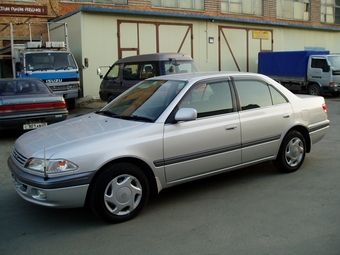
251,211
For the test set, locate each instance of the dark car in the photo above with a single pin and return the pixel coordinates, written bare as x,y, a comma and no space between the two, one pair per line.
126,72
28,104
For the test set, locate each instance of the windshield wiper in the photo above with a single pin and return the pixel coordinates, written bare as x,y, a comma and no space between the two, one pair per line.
42,69
63,67
107,113
124,117
136,117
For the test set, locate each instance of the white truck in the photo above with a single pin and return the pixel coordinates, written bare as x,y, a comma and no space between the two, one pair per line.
315,72
42,58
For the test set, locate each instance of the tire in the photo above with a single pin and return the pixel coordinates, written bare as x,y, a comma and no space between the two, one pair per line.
292,152
110,98
71,103
314,90
119,193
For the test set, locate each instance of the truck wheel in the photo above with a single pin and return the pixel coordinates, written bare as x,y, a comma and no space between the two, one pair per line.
119,193
314,90
71,103
292,152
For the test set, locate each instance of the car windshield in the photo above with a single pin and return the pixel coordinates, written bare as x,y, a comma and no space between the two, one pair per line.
144,102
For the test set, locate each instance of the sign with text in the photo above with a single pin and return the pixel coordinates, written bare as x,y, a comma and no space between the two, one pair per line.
264,35
22,9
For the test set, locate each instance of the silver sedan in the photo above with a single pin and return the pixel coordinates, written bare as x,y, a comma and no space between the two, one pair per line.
162,132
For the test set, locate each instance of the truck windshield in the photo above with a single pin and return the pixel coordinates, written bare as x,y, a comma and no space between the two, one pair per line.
41,61
335,62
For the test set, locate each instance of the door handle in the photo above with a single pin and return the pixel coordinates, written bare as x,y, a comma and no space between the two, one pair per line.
231,127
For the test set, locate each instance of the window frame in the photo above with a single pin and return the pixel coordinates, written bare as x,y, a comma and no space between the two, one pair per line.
178,4
333,8
269,88
282,11
212,112
242,4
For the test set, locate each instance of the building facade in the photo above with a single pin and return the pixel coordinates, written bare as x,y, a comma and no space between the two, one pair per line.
218,34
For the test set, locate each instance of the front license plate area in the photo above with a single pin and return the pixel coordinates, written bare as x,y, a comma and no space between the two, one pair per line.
34,125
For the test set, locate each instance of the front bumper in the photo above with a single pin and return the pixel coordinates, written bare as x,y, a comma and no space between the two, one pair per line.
60,192
74,93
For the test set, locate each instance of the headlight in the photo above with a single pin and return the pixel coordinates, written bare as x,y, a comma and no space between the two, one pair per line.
53,166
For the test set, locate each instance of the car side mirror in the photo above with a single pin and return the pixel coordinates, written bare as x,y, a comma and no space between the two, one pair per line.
99,71
186,114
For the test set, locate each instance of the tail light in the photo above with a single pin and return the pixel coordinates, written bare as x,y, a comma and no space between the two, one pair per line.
324,107
25,107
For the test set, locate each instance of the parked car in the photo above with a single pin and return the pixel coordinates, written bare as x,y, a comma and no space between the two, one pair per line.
126,72
28,104
165,131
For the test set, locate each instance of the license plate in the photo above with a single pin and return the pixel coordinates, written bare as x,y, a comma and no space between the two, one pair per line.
34,125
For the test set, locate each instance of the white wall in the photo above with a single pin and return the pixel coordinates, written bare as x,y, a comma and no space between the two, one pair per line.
94,36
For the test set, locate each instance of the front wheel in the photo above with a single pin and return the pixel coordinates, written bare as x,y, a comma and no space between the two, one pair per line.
292,152
110,98
119,193
71,103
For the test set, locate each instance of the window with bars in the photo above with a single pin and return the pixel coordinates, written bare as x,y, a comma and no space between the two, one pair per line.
250,7
118,2
293,9
179,4
330,11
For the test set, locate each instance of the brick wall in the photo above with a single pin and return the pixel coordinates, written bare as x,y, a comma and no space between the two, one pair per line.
212,8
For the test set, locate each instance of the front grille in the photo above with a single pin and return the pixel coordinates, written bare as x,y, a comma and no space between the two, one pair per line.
59,88
19,158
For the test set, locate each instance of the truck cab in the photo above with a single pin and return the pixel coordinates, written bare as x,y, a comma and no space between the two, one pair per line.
58,69
323,74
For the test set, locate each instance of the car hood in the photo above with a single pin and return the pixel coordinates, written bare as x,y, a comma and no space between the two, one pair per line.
70,133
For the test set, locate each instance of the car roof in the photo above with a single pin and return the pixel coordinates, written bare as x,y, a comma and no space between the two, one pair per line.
19,79
205,75
154,57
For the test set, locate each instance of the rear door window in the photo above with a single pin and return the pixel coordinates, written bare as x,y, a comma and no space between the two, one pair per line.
253,94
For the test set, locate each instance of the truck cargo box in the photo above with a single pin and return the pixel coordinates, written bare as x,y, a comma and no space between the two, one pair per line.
291,64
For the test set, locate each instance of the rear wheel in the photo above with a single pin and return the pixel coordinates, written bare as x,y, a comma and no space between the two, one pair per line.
292,152
314,90
119,193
